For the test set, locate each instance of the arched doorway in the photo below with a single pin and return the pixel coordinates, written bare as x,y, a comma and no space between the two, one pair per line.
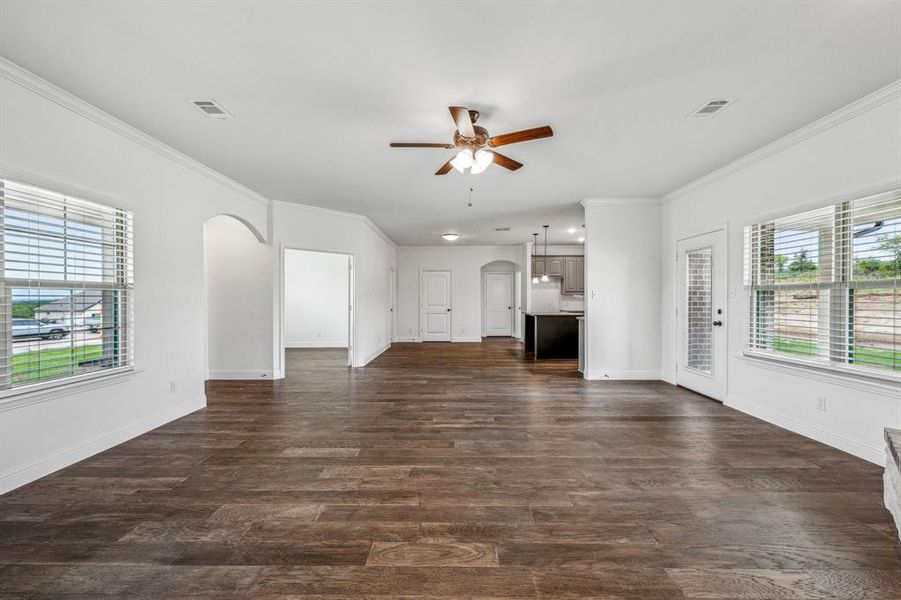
501,281
238,286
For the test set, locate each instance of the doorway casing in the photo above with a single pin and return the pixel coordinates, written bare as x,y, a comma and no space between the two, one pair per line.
713,244
279,350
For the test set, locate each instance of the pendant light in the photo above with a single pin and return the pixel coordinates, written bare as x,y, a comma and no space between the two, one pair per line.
545,278
534,244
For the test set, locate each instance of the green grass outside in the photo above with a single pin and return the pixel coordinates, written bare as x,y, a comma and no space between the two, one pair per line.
42,365
871,357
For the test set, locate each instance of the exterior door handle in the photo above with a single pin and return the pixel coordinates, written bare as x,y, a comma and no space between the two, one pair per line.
717,323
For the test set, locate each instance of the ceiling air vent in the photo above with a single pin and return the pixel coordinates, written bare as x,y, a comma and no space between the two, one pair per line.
211,109
709,109
502,228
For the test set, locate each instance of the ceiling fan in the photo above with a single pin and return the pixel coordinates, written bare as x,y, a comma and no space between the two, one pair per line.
475,144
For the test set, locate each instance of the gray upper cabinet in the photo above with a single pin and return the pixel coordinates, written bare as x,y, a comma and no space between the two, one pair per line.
573,275
555,266
571,269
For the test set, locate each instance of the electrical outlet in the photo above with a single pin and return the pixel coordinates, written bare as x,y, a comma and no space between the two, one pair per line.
821,403
172,387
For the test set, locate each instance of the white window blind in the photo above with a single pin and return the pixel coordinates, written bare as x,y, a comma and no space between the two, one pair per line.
66,291
825,285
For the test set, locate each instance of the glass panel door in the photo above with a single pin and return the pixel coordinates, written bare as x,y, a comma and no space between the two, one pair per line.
701,363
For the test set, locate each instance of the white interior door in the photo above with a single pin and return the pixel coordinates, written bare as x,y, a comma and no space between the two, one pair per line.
436,306
701,313
499,304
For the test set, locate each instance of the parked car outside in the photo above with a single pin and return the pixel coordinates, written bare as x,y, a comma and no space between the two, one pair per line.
34,328
92,324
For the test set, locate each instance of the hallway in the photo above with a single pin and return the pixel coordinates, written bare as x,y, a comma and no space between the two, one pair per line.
454,470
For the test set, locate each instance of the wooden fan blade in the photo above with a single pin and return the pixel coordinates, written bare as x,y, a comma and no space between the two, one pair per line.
520,136
463,120
417,145
506,161
445,169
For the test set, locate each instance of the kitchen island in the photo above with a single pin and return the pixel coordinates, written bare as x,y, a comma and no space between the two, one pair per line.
552,335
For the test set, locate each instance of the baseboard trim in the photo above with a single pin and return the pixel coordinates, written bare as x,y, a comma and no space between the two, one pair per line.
466,339
338,344
73,454
622,375
261,374
846,443
408,339
375,355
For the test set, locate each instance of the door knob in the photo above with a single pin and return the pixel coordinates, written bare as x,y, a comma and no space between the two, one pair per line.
717,323
448,310
509,308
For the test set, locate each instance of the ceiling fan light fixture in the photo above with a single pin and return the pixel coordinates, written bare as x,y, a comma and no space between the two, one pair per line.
463,160
450,237
482,161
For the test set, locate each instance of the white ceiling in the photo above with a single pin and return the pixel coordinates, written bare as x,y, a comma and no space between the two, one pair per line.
319,89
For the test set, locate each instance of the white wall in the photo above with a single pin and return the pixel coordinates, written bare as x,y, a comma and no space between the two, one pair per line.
316,298
55,140
52,139
238,271
465,263
622,288
302,227
845,153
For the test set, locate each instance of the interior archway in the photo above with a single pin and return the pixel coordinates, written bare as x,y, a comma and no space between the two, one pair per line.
500,280
238,285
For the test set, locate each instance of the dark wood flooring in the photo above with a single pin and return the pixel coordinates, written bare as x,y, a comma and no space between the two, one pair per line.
457,471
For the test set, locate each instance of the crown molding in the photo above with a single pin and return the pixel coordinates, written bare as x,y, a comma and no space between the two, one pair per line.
457,244
833,119
31,82
337,213
606,202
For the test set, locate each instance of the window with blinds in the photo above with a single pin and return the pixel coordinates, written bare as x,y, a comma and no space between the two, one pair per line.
825,285
66,291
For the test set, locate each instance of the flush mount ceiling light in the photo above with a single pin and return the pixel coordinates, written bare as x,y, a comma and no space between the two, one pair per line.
450,237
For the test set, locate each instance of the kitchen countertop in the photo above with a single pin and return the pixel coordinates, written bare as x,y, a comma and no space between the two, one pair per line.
555,314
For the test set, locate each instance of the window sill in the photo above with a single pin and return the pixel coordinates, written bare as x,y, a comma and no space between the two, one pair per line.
42,392
874,382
